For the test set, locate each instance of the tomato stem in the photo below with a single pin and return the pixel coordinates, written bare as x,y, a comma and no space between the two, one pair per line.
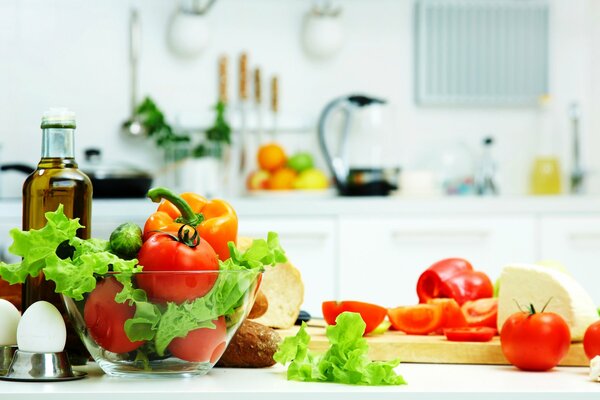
183,236
188,216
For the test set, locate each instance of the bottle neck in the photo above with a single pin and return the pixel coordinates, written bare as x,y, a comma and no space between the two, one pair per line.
58,143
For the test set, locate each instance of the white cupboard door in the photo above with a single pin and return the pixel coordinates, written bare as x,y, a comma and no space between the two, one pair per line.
310,246
381,259
574,241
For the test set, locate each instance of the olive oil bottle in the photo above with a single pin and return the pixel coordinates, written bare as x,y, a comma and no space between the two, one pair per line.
57,180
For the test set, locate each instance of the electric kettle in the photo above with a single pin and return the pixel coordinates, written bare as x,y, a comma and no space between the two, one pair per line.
354,135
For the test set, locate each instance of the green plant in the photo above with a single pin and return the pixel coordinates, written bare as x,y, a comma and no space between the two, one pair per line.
156,124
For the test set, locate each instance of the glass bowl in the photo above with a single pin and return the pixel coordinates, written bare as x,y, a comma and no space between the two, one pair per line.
166,323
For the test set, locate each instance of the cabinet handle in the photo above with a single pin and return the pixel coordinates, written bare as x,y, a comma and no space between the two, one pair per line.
312,236
440,236
586,237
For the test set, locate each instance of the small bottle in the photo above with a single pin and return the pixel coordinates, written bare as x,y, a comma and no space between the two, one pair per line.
546,174
485,175
57,180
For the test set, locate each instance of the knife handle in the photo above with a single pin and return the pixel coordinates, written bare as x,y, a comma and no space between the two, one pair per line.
275,94
257,86
223,79
244,76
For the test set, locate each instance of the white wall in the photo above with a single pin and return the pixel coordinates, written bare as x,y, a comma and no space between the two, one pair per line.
74,53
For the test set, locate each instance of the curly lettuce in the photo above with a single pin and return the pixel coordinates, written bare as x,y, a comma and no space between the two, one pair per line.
346,361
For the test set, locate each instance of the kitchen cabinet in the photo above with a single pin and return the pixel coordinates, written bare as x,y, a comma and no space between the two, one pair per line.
381,258
310,245
575,242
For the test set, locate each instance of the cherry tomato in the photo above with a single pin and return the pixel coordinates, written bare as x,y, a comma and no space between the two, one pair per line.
591,340
452,315
202,344
421,319
481,312
470,334
161,252
105,318
372,314
535,341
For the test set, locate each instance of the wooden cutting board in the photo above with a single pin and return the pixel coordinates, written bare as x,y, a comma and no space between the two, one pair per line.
430,349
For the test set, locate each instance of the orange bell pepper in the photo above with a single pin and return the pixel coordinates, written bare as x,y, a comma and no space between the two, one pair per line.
215,220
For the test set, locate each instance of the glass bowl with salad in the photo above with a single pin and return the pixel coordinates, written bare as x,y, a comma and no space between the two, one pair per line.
164,323
162,301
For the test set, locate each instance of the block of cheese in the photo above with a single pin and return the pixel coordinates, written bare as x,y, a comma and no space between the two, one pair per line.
534,284
282,286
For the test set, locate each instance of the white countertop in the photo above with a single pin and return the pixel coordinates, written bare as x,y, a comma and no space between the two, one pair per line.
304,205
425,381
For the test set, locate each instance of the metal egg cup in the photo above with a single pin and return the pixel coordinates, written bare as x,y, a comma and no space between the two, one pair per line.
17,365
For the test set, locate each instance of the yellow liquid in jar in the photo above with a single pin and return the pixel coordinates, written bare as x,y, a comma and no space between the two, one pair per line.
546,176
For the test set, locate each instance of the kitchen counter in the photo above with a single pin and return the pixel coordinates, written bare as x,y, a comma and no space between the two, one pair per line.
285,204
425,381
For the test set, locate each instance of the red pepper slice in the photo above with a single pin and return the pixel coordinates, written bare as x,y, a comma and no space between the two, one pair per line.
470,334
453,278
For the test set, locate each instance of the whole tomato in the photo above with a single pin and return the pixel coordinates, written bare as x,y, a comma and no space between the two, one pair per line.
591,340
177,256
105,318
535,341
202,344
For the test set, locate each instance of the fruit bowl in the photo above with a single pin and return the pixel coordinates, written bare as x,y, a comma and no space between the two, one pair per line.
131,327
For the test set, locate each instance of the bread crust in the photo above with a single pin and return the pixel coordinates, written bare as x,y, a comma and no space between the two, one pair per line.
252,346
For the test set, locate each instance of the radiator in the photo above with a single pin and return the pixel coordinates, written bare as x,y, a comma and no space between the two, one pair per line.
481,52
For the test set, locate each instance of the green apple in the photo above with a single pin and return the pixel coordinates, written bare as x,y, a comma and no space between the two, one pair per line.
301,161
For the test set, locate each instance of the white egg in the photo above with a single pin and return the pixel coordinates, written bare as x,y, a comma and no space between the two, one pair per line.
41,329
9,319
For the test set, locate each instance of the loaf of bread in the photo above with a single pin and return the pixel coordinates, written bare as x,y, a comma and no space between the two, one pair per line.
282,285
252,346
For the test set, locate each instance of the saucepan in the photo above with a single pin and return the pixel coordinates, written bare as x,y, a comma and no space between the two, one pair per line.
109,180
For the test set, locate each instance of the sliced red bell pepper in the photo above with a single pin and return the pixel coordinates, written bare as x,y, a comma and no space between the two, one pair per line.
453,278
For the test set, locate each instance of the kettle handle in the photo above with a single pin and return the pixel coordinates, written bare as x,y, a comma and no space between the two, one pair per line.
336,162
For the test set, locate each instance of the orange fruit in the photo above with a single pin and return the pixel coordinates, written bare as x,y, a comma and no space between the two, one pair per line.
282,179
271,157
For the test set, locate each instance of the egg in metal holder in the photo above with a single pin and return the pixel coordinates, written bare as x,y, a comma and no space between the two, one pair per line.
41,337
9,320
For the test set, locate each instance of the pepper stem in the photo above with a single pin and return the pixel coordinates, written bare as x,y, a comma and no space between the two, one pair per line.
187,214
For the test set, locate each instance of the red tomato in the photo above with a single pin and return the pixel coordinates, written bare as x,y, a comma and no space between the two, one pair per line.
372,314
421,319
535,342
105,318
202,344
163,253
481,312
470,334
452,315
591,340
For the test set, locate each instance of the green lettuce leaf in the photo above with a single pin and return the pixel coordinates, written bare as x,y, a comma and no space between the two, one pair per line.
36,245
70,262
346,361
230,291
